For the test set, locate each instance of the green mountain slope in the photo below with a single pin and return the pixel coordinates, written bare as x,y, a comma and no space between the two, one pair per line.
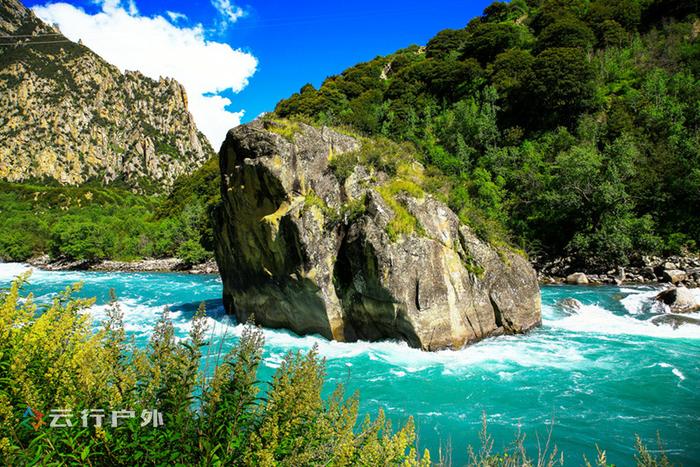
567,127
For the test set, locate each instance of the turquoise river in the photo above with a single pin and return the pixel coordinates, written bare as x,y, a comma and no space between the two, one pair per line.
602,374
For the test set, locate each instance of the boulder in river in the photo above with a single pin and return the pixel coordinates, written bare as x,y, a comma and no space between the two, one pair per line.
673,276
675,320
577,278
680,300
360,255
569,305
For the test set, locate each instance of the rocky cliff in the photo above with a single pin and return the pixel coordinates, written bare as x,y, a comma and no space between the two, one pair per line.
67,115
362,255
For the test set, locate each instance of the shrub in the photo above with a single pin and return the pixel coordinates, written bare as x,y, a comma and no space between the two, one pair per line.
342,165
403,222
52,359
14,245
679,243
192,252
81,240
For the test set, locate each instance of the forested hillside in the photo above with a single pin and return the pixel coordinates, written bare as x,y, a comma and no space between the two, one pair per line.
93,222
566,127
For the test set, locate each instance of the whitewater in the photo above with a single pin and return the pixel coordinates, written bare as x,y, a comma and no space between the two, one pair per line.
596,375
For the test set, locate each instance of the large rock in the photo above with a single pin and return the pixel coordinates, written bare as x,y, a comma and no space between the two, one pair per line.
577,278
675,321
680,299
569,305
673,276
293,254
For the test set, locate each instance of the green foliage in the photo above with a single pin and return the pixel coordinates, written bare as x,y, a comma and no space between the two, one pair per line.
403,222
285,128
76,239
343,165
490,39
563,126
191,202
562,85
445,42
567,32
192,252
52,359
95,222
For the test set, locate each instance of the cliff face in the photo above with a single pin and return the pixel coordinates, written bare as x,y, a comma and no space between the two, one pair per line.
299,249
67,115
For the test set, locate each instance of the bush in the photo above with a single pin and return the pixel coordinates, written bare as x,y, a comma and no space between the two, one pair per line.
14,245
53,359
678,244
81,240
192,252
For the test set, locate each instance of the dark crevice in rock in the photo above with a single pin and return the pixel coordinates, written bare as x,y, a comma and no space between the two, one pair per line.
370,310
471,325
497,313
418,294
501,321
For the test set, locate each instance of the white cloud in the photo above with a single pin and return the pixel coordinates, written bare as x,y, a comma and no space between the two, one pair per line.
156,47
228,10
176,16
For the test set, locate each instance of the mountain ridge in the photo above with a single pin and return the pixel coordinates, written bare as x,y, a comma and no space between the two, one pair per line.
68,116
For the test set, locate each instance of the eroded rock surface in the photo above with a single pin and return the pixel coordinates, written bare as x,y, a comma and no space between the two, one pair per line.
680,300
299,249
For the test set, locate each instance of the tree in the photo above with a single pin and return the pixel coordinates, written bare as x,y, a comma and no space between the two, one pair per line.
562,86
490,39
80,239
452,79
611,34
511,75
446,42
566,32
552,10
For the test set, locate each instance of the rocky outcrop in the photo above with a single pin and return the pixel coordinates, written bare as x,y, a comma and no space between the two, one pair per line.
674,276
69,116
680,300
569,305
678,270
675,321
297,248
577,278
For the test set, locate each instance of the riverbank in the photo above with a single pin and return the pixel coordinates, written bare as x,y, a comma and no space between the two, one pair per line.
676,270
144,265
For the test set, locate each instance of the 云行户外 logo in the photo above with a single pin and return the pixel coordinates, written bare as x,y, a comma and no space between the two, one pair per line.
33,418
67,418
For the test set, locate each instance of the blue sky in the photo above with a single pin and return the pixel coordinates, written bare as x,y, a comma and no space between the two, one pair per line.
293,43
